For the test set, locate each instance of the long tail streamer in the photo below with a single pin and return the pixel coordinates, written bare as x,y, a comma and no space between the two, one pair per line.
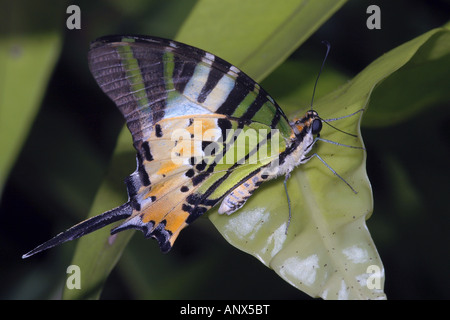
85,227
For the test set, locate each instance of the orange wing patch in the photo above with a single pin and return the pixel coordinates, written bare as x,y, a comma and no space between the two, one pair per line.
167,167
162,189
175,141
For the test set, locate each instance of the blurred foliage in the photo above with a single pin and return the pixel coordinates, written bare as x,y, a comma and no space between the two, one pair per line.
21,45
66,153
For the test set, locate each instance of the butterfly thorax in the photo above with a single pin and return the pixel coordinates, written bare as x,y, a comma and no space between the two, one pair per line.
304,130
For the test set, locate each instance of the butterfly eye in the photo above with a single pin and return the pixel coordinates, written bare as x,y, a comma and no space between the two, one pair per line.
316,126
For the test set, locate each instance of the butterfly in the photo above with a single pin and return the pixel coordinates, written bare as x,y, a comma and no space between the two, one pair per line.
205,133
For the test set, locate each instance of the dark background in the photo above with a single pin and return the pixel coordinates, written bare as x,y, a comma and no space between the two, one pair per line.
66,155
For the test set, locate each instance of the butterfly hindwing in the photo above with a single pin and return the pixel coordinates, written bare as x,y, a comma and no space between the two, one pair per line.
180,187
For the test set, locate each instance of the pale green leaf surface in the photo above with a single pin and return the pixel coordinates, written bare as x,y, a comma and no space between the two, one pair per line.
230,25
328,251
293,82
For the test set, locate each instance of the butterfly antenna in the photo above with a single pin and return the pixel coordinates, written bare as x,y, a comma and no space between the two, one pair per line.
320,71
350,134
312,102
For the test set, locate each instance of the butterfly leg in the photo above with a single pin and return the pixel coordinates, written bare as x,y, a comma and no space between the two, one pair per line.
288,201
237,198
330,168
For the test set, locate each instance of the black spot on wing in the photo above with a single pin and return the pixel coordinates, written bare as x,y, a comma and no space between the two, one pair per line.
199,178
190,173
147,154
158,131
201,166
145,179
225,126
195,213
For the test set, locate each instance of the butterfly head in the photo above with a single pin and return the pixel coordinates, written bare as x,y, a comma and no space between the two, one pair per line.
309,123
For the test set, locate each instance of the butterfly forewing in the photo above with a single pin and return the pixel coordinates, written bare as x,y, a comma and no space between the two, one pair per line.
151,78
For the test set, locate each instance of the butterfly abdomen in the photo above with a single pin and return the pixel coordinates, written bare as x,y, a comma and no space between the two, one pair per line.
237,198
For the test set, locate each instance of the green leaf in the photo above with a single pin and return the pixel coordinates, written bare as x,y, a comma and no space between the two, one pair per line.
328,251
420,83
28,53
293,82
264,38
256,36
